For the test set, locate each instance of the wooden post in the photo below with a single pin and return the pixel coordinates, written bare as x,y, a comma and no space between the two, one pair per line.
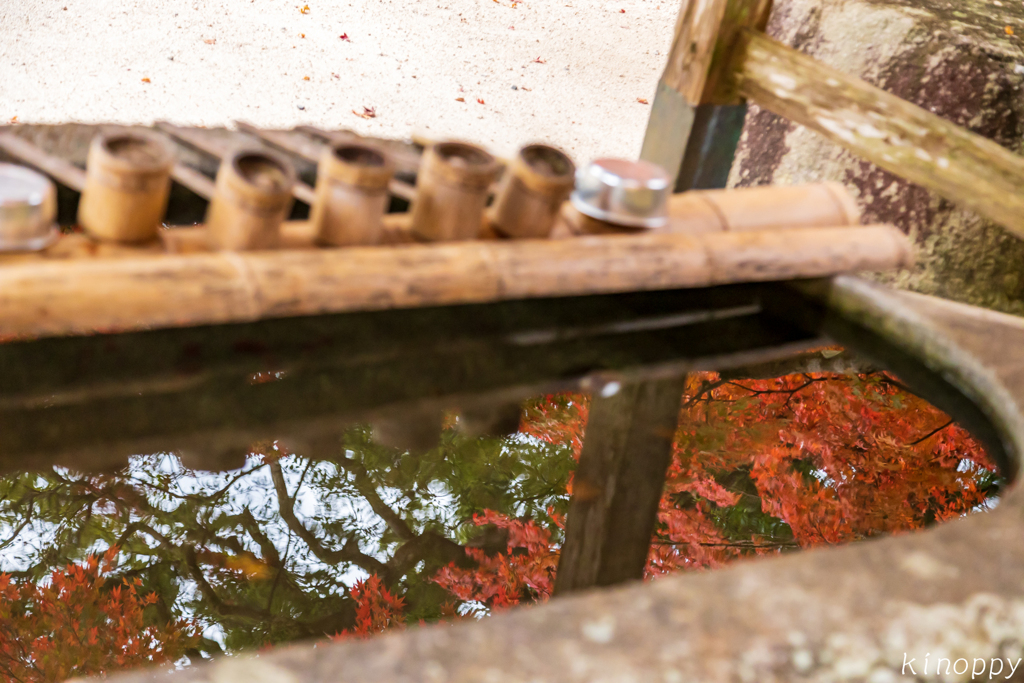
898,136
695,122
626,451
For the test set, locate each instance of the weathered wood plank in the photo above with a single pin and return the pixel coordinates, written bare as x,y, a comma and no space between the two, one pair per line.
311,151
58,169
217,148
695,119
73,177
193,180
83,296
404,154
618,483
886,130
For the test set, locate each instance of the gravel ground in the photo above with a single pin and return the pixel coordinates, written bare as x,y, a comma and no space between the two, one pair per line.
566,72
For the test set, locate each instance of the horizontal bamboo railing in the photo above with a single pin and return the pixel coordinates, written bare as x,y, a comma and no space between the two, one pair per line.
43,297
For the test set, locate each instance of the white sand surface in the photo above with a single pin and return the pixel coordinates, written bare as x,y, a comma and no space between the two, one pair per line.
567,72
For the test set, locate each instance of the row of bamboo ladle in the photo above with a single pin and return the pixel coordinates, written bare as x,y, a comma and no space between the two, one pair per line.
128,183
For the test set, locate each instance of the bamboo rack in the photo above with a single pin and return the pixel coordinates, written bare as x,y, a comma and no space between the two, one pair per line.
81,286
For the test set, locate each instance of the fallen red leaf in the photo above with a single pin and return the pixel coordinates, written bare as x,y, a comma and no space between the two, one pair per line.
367,113
540,61
479,101
622,11
344,36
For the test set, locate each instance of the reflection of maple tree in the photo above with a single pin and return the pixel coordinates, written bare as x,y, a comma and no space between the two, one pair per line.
377,609
525,572
759,467
82,622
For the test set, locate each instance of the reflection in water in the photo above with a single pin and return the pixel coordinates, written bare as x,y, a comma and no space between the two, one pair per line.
363,536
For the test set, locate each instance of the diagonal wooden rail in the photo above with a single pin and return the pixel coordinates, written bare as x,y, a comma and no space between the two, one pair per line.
898,136
208,144
720,58
310,152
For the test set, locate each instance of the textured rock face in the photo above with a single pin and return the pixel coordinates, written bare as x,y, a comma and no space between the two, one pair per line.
955,59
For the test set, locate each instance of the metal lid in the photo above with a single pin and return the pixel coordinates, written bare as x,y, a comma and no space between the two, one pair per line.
628,193
28,208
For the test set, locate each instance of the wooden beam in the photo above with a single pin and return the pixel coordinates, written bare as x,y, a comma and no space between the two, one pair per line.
58,169
898,136
193,180
695,120
627,449
84,296
310,152
208,144
73,177
406,159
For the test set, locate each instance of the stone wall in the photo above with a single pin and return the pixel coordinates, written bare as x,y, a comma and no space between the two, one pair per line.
957,60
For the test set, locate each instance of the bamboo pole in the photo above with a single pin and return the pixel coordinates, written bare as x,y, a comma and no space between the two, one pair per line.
83,296
740,210
898,136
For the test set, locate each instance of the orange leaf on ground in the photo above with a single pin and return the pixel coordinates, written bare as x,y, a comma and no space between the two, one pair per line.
210,41
460,99
479,101
146,80
642,100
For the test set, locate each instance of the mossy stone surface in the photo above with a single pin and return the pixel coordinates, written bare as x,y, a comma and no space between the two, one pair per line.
959,62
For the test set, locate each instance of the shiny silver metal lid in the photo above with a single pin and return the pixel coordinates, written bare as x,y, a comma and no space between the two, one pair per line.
632,194
28,208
